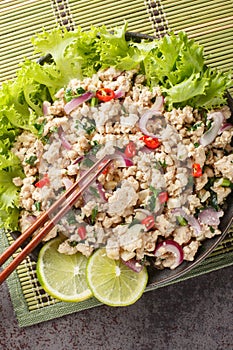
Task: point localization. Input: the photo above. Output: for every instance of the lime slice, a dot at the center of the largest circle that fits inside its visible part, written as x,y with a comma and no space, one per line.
112,282
62,276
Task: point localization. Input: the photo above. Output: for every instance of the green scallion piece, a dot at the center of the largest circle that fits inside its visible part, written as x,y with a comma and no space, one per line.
181,220
226,183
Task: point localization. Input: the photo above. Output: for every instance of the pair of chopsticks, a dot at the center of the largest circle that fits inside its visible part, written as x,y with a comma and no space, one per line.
69,198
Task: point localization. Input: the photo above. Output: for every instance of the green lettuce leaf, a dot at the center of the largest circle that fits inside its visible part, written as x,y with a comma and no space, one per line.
174,62
186,90
178,66
9,198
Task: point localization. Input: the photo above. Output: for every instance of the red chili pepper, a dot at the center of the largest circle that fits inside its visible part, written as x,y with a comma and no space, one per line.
149,222
106,170
197,170
105,94
163,197
43,182
130,150
150,142
82,232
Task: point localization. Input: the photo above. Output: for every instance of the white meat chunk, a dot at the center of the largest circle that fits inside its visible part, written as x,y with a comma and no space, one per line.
123,198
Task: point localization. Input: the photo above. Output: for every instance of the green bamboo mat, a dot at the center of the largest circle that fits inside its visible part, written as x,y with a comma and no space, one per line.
209,22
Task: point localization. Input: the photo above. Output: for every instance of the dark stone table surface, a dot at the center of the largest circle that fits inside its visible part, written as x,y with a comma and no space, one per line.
195,314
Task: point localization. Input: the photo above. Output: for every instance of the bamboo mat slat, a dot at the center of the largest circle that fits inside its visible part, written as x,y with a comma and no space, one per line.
209,22
19,21
111,13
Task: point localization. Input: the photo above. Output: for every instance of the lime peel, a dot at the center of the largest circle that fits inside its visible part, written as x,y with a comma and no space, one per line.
66,281
117,285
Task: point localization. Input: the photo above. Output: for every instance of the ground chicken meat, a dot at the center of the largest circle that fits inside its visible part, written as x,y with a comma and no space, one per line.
131,206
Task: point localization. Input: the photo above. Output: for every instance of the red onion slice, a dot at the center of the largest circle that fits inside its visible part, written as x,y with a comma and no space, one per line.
62,137
225,127
144,120
210,135
133,264
78,160
171,247
122,160
31,218
119,93
192,221
77,101
210,216
101,191
159,104
45,106
67,182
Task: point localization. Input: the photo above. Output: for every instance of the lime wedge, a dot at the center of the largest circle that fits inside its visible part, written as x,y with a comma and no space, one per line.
112,282
62,276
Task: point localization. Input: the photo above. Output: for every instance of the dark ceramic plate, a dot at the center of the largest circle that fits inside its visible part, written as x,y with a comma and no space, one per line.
159,277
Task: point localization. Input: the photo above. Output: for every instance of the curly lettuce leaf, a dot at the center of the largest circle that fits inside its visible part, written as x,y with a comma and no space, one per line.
178,66
9,198
9,219
215,90
175,63
186,89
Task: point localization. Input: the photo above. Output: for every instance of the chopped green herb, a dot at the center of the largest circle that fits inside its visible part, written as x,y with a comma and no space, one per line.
152,199
208,124
209,183
54,129
69,94
80,90
213,200
212,230
40,127
124,109
196,144
181,220
134,222
163,164
94,214
71,218
31,160
87,162
94,101
45,139
72,243
38,206
195,126
89,126
190,181
94,191
204,116
226,183
95,147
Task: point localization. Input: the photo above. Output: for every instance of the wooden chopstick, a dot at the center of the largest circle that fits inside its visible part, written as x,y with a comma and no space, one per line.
71,197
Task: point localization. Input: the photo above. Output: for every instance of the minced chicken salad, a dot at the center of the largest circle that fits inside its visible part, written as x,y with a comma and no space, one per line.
172,161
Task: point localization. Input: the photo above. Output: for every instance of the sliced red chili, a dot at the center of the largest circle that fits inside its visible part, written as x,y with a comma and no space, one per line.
105,94
197,170
106,170
150,142
82,232
43,182
149,222
163,197
130,150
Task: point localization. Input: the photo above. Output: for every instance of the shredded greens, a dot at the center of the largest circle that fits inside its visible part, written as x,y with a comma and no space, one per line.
174,62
